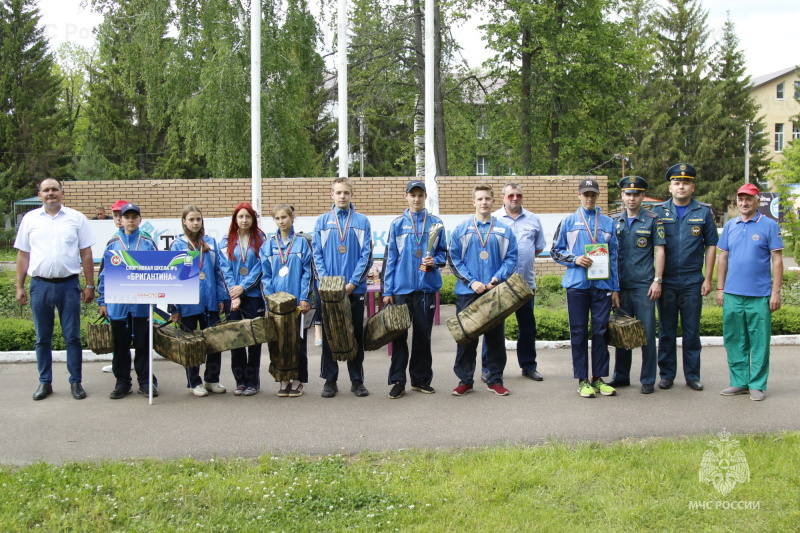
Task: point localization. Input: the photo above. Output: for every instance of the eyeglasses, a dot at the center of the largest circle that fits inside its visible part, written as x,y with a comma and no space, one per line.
514,196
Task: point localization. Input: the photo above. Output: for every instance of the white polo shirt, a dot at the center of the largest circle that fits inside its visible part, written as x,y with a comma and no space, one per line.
54,242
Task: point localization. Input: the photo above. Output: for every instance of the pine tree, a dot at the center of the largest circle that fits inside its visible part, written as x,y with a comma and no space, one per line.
29,115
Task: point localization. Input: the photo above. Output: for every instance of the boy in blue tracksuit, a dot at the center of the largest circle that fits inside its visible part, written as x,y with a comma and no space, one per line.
405,282
586,227
212,298
129,320
286,267
483,252
343,247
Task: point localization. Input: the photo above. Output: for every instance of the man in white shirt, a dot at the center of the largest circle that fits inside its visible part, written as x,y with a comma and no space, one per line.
53,245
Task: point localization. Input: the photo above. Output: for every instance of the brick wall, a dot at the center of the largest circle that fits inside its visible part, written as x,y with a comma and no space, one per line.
310,196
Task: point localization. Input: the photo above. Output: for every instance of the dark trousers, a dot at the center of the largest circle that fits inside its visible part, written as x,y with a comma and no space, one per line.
246,362
329,369
526,339
421,306
467,354
138,328
46,297
213,360
686,302
580,303
636,303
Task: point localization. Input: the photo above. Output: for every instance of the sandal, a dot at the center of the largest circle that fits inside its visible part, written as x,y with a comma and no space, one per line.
239,390
294,393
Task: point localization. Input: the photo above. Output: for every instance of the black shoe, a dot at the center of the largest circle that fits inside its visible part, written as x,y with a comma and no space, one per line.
120,392
424,388
397,391
44,390
694,385
145,391
330,389
665,384
77,391
532,374
359,389
485,376
616,383
646,388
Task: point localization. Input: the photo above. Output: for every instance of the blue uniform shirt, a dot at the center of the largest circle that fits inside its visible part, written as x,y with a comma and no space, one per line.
212,288
569,241
231,268
636,242
137,241
687,239
402,274
356,260
465,249
297,280
749,246
527,229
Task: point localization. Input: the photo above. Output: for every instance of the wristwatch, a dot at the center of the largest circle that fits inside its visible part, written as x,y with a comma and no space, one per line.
89,287
658,280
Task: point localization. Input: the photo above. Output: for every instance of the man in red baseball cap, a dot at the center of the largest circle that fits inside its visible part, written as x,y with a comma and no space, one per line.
749,278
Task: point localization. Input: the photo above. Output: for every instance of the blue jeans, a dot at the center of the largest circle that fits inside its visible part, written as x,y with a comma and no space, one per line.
636,303
688,302
581,302
46,297
466,354
526,339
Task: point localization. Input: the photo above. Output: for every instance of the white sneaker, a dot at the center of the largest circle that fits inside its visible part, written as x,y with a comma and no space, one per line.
216,388
318,342
108,369
200,391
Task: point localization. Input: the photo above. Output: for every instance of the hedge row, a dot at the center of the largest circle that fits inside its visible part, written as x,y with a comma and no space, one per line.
553,325
17,334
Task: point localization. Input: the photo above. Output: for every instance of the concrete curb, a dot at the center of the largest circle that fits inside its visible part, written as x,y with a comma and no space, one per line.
58,356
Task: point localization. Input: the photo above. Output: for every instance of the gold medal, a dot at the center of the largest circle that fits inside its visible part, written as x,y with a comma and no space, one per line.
418,253
342,249
243,271
283,271
202,276
484,255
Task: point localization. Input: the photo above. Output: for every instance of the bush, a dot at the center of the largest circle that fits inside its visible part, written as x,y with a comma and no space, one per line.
551,325
786,321
447,294
16,334
711,322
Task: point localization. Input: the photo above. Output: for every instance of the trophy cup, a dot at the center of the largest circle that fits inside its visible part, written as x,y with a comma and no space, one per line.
433,236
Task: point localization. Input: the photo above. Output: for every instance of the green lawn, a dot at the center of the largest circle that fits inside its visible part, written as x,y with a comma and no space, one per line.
635,485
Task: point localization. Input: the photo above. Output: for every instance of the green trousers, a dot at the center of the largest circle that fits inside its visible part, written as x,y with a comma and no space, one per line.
747,328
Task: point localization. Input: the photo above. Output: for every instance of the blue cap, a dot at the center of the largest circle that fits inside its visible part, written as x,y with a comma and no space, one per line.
130,207
416,184
681,171
633,183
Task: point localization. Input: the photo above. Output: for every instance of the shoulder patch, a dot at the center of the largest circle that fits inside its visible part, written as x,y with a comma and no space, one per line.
704,204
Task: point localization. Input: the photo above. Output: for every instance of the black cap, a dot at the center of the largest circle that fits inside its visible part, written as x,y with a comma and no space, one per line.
681,171
588,184
633,183
416,184
130,207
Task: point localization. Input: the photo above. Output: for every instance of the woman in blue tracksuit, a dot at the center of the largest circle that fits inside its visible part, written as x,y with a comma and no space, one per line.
212,297
241,268
286,267
128,320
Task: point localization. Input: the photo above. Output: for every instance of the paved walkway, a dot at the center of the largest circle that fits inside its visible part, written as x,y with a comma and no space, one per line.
179,424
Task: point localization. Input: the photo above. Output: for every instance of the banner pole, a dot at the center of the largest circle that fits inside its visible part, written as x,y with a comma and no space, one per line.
150,351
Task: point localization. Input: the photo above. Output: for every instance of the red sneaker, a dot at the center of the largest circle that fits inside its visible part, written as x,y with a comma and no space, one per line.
498,389
462,389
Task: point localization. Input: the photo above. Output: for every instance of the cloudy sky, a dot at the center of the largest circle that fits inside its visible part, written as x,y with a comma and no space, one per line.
766,29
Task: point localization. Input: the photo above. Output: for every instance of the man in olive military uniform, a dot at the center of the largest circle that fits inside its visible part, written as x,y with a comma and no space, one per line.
640,234
691,243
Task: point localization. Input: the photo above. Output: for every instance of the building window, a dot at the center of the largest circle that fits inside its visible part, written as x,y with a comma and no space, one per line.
795,132
779,90
797,90
779,137
482,167
481,130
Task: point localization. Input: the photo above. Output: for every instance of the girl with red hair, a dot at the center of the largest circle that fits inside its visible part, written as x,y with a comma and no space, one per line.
241,268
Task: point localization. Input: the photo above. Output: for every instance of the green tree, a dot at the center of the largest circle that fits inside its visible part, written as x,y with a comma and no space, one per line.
29,112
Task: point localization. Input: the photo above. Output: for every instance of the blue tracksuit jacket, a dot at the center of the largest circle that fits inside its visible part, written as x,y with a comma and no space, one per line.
354,264
212,289
250,282
569,241
298,281
464,254
137,241
402,274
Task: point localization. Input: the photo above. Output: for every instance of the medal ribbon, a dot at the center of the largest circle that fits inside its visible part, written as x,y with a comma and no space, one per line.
288,248
585,223
197,248
243,250
418,236
138,242
480,237
343,234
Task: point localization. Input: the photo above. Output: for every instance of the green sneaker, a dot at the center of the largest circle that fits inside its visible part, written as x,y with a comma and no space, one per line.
585,390
600,386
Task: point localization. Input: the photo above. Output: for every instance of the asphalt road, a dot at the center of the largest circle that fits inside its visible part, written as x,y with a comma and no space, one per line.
178,424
